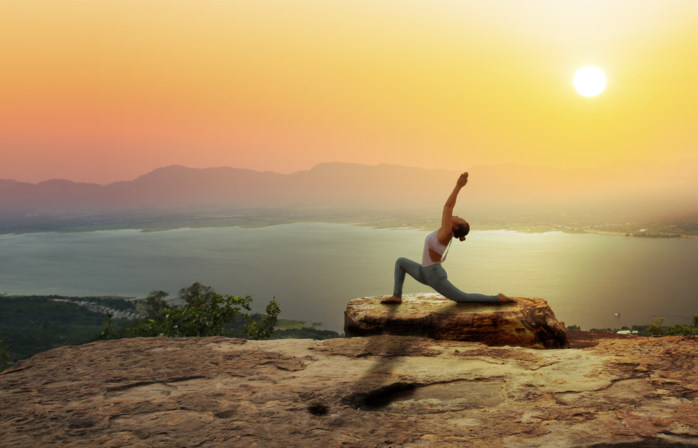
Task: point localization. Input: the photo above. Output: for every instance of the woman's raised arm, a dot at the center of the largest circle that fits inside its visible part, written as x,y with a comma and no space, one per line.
446,230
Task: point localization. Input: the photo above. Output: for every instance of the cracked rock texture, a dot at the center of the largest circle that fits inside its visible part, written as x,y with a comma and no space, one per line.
526,323
360,392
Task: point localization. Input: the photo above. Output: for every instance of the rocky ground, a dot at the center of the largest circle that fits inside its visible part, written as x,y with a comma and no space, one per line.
374,391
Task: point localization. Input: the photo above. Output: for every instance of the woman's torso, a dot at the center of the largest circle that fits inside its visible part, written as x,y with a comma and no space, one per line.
433,249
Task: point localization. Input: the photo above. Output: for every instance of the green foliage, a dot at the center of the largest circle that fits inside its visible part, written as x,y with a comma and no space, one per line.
574,328
681,330
156,304
26,341
34,325
196,292
108,333
263,330
22,312
655,327
198,318
203,313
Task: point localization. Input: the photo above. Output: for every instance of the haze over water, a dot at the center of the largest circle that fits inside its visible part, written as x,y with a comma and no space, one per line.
314,269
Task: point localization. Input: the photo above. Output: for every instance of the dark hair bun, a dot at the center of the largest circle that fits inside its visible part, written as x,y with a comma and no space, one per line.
460,231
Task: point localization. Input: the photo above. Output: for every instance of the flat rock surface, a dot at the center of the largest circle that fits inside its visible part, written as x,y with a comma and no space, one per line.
360,392
526,323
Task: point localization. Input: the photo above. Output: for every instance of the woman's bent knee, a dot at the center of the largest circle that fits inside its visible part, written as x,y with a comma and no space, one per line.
402,261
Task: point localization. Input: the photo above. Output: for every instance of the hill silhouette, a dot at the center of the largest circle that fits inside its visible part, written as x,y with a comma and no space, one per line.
333,184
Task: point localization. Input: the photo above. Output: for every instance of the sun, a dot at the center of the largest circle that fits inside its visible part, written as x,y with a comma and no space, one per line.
589,81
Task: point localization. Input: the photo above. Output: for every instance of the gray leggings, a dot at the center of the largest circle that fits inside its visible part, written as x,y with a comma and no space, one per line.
436,277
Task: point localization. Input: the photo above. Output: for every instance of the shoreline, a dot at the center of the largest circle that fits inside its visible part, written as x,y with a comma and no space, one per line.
662,235
539,228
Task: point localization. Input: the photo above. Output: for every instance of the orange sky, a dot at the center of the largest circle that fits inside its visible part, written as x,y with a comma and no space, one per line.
109,90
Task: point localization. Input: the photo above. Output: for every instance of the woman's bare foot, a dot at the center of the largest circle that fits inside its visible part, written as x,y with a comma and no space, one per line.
505,299
392,300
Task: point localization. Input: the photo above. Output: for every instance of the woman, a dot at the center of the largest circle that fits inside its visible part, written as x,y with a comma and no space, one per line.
431,273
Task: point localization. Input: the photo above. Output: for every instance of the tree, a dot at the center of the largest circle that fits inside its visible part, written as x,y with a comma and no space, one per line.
655,328
156,304
204,313
195,292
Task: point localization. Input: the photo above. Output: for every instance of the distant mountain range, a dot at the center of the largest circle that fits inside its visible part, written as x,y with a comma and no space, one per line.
338,184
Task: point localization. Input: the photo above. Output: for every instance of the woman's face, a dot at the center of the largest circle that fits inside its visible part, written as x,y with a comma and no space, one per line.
458,221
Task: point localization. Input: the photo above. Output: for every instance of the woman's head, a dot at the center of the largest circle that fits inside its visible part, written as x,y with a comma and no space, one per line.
460,228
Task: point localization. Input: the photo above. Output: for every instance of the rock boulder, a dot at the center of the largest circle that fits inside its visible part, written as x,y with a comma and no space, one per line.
526,323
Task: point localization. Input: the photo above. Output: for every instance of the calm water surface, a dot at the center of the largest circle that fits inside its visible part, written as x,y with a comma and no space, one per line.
313,270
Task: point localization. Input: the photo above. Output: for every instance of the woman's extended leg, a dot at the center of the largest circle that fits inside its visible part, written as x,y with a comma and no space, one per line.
446,289
438,280
402,266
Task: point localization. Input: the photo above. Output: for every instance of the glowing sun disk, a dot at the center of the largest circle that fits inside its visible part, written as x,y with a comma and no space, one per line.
589,81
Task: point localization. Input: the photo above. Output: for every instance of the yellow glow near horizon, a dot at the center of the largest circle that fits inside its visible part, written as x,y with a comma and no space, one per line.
589,81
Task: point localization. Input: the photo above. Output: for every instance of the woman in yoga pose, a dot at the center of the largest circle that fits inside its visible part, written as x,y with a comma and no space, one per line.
436,246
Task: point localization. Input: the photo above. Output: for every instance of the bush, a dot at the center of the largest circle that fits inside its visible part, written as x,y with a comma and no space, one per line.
574,328
678,330
655,328
203,312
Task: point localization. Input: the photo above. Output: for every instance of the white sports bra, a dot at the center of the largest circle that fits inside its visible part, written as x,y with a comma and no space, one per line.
433,243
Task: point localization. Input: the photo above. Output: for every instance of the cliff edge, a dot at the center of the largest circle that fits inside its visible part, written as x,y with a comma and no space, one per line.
358,392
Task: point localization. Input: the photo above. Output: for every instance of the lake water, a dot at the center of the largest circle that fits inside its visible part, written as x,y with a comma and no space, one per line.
314,269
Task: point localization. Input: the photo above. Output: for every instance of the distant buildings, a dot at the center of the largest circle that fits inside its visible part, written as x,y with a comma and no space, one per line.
97,308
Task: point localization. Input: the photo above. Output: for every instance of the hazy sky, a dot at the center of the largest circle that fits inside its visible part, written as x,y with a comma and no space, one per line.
101,91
